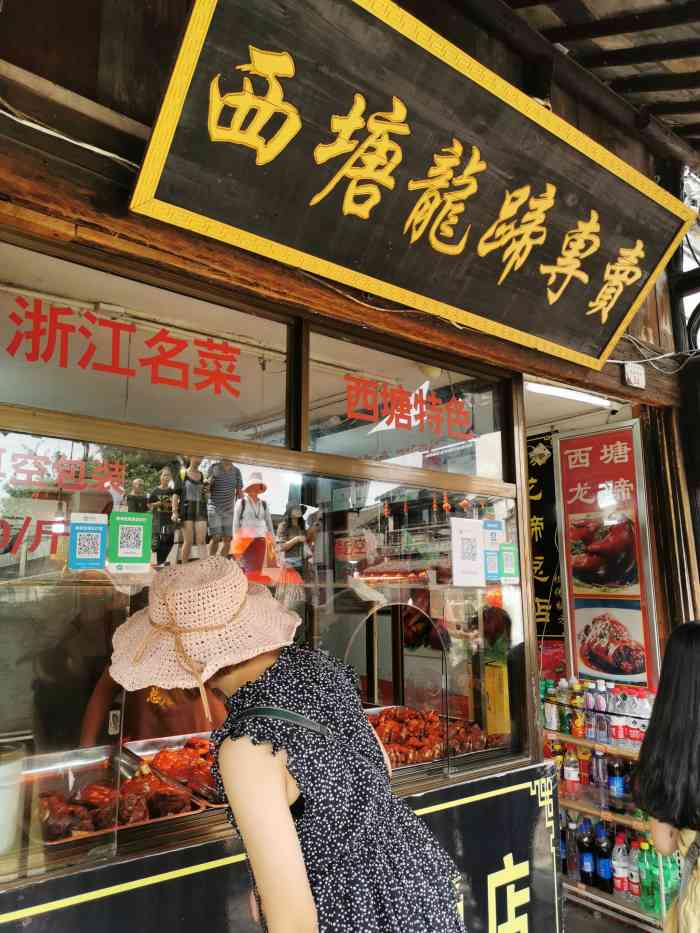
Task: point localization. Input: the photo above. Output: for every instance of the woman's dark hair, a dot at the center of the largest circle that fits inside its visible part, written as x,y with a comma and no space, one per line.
667,778
288,519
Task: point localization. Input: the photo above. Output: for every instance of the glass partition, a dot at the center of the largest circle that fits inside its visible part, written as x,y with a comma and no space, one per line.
416,588
373,405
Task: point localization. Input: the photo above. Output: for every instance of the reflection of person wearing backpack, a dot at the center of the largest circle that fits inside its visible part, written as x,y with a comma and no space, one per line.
253,532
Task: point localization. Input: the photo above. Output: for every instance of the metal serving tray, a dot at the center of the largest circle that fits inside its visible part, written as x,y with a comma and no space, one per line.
67,773
147,749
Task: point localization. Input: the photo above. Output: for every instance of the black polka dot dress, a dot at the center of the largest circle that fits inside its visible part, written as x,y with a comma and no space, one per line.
373,866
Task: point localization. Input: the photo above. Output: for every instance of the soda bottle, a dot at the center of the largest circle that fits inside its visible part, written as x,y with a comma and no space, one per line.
649,879
669,865
572,853
586,849
572,777
584,766
602,730
551,711
633,877
603,859
578,712
563,699
616,785
589,711
618,704
620,865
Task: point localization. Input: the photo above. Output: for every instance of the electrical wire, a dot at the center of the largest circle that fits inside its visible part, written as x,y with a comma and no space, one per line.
11,113
692,250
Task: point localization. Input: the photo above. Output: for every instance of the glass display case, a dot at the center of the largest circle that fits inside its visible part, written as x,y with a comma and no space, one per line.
416,588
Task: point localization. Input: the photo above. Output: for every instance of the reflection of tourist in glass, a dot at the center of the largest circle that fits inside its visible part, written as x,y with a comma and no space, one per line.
291,537
190,507
160,503
136,500
225,483
253,532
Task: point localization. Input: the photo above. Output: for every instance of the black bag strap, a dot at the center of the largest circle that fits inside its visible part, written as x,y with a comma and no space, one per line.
284,715
296,719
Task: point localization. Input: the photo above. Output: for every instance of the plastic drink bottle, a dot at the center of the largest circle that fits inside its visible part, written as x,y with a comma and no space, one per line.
578,713
602,730
572,853
603,859
551,711
616,785
572,777
584,766
620,863
633,880
649,879
672,879
589,714
563,699
584,840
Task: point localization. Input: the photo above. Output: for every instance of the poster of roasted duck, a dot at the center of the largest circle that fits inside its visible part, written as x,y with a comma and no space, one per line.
604,553
610,640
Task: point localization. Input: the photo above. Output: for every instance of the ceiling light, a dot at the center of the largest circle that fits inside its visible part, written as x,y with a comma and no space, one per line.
541,388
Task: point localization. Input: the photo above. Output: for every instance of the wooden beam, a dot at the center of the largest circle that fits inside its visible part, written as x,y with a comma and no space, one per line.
661,107
671,81
660,18
689,130
641,54
512,29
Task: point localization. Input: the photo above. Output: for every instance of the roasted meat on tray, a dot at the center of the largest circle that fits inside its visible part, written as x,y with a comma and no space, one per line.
412,736
60,818
190,765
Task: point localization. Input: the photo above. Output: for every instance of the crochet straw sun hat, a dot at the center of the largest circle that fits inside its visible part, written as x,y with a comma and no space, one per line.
201,617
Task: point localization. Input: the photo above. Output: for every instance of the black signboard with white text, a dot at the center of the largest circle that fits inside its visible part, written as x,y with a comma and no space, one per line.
546,577
348,139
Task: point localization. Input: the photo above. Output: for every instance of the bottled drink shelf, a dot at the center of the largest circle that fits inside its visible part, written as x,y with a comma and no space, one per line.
591,804
613,750
612,904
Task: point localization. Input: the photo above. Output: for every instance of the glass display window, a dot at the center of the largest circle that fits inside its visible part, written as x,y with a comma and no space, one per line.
374,405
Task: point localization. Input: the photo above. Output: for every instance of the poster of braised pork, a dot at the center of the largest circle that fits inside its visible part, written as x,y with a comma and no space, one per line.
604,554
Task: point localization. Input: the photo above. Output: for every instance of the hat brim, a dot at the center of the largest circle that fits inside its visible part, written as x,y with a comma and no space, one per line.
143,656
261,486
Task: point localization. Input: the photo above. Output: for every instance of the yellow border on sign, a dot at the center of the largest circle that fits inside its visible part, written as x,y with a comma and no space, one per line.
145,202
138,883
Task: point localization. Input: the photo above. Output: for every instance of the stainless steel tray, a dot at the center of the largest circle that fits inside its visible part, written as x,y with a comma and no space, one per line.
66,773
147,749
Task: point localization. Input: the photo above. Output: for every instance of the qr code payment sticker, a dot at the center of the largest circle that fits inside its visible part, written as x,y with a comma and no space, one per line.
130,540
470,550
87,545
509,564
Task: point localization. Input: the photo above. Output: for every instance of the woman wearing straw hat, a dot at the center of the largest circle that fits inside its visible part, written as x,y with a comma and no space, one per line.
253,532
329,847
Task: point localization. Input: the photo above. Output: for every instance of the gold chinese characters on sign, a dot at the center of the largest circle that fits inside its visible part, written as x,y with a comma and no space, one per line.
259,117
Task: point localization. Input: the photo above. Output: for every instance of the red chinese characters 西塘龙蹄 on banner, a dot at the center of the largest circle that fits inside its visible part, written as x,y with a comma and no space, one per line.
603,558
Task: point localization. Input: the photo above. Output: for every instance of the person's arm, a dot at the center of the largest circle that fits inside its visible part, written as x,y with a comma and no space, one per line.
237,511
256,786
96,710
268,520
383,751
665,837
177,493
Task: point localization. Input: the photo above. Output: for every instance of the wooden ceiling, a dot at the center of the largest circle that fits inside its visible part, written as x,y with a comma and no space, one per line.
646,50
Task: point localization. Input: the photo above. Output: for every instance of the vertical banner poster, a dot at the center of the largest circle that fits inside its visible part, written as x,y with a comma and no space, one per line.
129,546
546,578
87,542
605,557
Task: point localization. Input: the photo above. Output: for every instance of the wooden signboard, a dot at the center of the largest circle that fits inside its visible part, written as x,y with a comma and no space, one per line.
346,138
